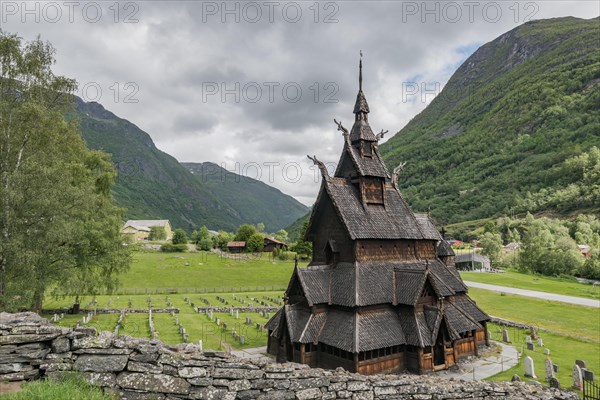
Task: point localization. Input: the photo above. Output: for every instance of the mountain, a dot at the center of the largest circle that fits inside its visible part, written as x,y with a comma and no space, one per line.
296,228
153,185
249,199
513,130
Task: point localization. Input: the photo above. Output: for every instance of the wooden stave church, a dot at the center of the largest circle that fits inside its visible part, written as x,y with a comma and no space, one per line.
382,294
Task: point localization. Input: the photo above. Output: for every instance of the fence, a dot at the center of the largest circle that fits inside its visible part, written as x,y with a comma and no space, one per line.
591,390
181,290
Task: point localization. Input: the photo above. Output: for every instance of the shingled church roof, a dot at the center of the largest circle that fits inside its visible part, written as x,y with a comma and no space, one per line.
374,282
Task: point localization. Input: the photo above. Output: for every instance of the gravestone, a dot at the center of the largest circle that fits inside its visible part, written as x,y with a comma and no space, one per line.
218,321
549,369
547,351
540,342
515,378
237,314
242,339
200,345
554,383
532,332
176,320
528,339
231,312
588,375
529,368
555,368
581,363
530,346
577,377
505,337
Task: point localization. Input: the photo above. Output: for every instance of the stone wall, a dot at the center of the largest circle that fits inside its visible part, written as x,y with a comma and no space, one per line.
137,369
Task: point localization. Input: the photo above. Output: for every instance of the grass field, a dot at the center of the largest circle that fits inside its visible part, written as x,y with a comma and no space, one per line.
70,387
197,325
563,352
531,282
202,270
565,318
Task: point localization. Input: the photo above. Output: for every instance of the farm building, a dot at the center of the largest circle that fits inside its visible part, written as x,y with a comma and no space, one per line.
272,244
381,294
236,247
139,229
472,262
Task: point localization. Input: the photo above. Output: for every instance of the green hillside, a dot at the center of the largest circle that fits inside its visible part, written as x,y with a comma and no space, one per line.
512,131
252,201
153,185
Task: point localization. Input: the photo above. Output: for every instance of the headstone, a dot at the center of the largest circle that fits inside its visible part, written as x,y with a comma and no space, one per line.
577,377
200,345
547,351
540,342
529,368
549,369
554,383
231,312
581,363
505,337
218,321
555,368
242,339
528,339
237,316
515,378
588,375
530,346
532,332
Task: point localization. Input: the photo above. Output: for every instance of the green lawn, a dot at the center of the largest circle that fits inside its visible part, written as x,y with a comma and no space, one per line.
560,317
70,387
563,352
531,282
201,270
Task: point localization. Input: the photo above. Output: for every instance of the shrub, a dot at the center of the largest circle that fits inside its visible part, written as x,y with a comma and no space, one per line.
179,236
173,248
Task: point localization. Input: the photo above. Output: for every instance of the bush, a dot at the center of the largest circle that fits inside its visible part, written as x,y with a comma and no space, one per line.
173,248
255,243
205,244
179,236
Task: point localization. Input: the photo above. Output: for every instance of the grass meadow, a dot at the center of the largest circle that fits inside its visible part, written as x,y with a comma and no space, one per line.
568,287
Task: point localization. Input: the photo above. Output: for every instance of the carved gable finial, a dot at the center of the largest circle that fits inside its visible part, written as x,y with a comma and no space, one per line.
321,166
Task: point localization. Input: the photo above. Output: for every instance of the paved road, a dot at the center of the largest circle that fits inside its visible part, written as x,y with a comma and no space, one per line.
538,295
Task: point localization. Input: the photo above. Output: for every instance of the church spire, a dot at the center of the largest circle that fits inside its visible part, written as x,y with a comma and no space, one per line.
360,73
361,129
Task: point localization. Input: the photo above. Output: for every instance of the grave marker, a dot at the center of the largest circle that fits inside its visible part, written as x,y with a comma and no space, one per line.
529,368
549,369
505,337
577,377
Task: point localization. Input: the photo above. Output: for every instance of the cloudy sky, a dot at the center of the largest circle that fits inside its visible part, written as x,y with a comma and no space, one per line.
254,86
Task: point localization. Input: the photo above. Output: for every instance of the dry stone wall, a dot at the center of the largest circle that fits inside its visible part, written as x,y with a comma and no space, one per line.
139,369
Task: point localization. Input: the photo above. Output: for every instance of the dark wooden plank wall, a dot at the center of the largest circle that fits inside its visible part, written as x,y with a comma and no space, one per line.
397,250
330,227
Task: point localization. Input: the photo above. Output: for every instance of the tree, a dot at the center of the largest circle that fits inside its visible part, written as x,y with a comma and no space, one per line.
179,236
491,245
302,247
244,232
220,239
199,235
255,243
282,236
157,233
59,226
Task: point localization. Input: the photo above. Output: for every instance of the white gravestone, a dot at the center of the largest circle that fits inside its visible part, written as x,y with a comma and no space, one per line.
529,368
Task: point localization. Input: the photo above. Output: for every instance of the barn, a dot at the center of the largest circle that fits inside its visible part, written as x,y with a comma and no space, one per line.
381,294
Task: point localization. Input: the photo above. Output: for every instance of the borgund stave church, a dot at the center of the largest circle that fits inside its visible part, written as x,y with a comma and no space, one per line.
381,293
